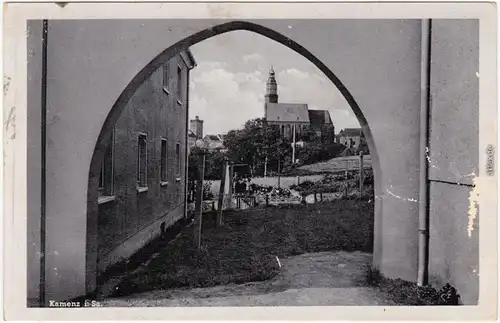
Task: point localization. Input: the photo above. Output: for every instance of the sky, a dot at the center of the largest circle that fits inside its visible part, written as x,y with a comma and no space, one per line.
227,86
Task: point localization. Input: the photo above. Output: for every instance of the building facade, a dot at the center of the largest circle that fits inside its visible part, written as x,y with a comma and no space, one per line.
309,125
350,137
214,142
142,180
211,142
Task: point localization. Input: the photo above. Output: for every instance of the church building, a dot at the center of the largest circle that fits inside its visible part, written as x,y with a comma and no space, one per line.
309,125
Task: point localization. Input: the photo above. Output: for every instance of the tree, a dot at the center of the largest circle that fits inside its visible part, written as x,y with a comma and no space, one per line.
214,162
256,141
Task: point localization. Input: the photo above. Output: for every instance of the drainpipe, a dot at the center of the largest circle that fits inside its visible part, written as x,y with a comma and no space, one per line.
186,157
423,204
186,138
43,163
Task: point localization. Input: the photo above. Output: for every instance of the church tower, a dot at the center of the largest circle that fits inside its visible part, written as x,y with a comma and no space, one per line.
271,88
196,126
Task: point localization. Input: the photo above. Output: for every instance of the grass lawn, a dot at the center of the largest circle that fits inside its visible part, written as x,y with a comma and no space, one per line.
335,164
245,249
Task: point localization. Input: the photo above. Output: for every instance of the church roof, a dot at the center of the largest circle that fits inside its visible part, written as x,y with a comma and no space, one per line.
287,112
319,117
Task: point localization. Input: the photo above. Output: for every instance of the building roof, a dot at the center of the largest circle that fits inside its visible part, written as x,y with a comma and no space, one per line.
191,134
319,117
213,137
287,112
350,132
213,142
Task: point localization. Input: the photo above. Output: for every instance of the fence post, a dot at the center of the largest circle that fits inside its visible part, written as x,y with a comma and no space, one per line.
346,179
315,198
265,167
361,174
199,199
279,173
321,196
221,194
267,199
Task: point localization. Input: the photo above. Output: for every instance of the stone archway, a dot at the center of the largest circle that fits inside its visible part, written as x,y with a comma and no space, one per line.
146,71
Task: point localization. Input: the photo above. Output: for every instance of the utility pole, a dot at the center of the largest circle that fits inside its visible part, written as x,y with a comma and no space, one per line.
279,171
346,174
220,205
361,174
265,167
199,200
293,147
231,187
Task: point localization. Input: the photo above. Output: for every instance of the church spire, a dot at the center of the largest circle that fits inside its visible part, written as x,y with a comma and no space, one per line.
271,88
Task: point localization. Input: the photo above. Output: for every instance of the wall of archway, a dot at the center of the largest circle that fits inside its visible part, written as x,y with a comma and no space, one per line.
89,72
159,60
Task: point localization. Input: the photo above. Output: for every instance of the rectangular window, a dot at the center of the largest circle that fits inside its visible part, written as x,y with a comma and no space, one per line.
142,160
178,157
179,84
106,175
165,78
102,176
163,162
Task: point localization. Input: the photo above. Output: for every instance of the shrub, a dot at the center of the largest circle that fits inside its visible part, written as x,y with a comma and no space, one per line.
367,177
404,292
315,152
306,184
207,190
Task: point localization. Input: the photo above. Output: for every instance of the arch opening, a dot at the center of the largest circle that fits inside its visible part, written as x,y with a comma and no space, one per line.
106,132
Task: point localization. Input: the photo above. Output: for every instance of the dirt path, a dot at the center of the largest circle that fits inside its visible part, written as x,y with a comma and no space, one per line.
324,278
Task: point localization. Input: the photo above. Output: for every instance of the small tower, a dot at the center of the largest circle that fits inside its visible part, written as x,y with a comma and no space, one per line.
271,88
196,126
